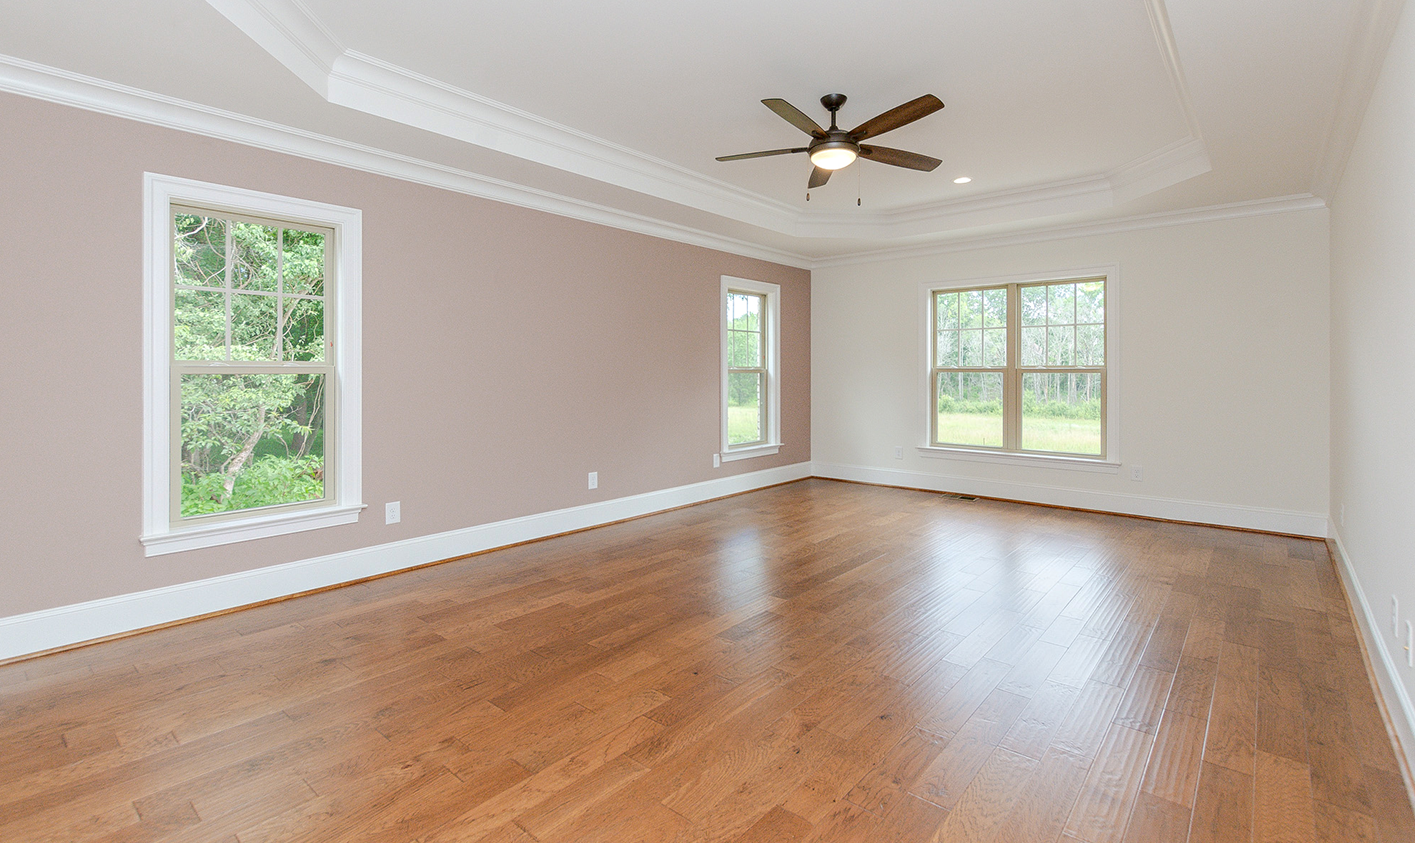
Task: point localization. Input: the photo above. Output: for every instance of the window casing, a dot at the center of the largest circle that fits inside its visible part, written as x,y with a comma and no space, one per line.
751,393
252,371
1023,370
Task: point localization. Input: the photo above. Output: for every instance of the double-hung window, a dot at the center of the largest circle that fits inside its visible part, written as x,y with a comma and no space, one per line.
1020,367
751,404
252,344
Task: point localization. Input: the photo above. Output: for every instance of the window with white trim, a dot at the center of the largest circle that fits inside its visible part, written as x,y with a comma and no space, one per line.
1021,367
252,365
751,404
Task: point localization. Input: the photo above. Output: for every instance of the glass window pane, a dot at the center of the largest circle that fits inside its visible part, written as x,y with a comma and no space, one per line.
1061,412
199,250
1034,346
1090,345
995,347
254,257
304,330
253,320
947,348
744,349
745,423
1034,305
946,310
304,262
995,307
199,325
754,313
971,353
970,309
1061,346
250,441
1061,304
969,409
1090,302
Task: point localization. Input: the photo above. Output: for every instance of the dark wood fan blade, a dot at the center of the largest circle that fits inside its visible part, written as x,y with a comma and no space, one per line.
793,115
744,156
897,116
818,177
899,158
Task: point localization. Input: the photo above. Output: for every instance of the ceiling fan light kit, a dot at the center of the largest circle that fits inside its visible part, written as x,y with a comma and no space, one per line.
834,155
834,148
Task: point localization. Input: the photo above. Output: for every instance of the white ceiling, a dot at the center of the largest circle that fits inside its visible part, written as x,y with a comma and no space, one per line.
1063,112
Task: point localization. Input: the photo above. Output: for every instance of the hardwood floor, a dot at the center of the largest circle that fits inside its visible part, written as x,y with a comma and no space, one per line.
813,662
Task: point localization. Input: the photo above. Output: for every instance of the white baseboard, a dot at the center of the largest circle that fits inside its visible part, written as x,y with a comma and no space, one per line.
1224,515
65,626
1392,690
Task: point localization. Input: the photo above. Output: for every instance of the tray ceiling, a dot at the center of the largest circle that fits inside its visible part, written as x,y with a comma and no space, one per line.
1060,113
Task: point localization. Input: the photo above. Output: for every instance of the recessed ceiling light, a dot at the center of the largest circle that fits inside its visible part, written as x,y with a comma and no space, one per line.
962,180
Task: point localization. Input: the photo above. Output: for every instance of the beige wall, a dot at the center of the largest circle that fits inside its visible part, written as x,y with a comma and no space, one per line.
1373,355
507,352
1223,367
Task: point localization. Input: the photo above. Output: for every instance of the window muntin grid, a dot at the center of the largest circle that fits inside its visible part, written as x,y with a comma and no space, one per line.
1046,392
250,296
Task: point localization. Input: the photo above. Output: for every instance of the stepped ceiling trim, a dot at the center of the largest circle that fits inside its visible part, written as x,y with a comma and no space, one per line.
293,36
63,87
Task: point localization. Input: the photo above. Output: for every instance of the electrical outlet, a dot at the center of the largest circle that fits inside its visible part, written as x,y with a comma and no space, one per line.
1395,616
1137,473
393,512
899,452
717,460
594,479
1409,645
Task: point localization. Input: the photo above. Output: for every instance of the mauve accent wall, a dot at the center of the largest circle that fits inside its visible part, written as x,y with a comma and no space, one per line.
507,352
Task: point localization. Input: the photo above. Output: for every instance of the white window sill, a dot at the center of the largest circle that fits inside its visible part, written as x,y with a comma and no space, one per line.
748,453
1097,466
257,527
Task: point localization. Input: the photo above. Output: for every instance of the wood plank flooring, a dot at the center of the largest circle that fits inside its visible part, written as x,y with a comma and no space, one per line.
813,662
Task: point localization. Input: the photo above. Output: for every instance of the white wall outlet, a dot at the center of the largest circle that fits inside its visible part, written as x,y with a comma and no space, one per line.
1395,616
594,479
393,512
899,452
717,460
1137,473
1409,645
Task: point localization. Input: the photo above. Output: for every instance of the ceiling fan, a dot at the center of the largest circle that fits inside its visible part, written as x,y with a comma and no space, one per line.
834,148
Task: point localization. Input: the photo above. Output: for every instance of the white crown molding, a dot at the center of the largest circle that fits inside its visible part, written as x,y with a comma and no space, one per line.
1181,160
1164,219
293,36
25,78
368,84
1373,26
50,84
290,33
1169,52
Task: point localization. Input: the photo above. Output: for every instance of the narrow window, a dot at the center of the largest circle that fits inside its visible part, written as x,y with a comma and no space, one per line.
750,350
746,369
